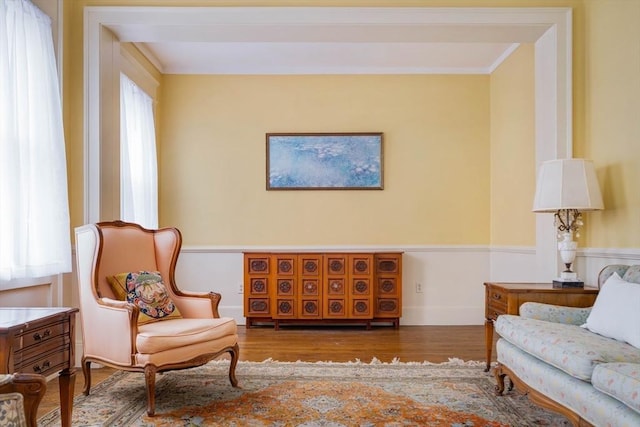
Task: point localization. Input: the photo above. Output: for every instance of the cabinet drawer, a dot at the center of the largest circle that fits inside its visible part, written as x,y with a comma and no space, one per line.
285,308
360,264
388,286
257,306
257,264
388,263
258,286
361,308
388,307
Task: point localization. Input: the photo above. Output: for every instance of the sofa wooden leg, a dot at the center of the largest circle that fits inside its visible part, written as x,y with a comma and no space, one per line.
497,372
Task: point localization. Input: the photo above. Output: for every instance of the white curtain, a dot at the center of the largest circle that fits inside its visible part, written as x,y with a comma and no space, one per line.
34,212
138,161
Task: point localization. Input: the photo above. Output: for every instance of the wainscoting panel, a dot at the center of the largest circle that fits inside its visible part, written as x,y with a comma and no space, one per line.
441,285
590,261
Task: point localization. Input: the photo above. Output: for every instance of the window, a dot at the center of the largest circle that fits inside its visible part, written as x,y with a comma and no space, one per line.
34,219
138,161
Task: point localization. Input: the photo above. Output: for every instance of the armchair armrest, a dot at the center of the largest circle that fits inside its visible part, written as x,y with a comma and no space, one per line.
555,313
32,388
106,319
198,304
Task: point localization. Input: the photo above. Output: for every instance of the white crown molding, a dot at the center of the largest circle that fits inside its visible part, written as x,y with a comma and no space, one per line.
502,57
150,56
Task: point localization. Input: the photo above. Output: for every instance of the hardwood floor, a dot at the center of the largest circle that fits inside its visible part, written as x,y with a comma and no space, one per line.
335,343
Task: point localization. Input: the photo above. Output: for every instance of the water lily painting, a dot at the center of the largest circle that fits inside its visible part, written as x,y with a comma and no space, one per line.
324,161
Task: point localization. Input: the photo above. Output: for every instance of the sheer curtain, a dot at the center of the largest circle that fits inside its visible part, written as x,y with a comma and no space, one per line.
138,161
34,212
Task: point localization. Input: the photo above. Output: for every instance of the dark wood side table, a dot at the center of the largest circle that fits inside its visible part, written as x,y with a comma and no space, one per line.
41,340
506,298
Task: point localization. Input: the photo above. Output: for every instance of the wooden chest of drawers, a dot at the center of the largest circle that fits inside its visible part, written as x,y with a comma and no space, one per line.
323,287
41,341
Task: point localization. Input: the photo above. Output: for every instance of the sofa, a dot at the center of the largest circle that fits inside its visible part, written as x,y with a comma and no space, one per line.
581,362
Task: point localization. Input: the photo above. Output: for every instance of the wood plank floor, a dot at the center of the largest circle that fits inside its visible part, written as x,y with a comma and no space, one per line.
333,343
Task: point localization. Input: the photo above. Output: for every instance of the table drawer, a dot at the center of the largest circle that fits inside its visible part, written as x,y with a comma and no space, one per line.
496,303
47,364
35,351
40,334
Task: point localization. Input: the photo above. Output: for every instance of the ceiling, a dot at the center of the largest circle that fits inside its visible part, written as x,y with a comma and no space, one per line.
191,44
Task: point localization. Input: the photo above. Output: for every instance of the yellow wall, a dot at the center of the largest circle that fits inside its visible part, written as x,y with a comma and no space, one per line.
513,150
612,131
436,159
606,101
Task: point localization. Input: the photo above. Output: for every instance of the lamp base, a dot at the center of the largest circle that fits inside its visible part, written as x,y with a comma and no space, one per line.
568,283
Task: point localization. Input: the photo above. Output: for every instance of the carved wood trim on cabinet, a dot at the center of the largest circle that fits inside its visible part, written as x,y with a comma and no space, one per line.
300,287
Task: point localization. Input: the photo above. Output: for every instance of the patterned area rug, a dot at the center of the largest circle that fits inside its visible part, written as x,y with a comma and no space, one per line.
310,394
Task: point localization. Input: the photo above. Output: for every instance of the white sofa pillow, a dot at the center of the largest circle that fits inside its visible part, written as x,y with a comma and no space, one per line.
616,312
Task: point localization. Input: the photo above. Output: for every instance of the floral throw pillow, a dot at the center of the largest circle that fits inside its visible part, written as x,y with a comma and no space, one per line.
146,290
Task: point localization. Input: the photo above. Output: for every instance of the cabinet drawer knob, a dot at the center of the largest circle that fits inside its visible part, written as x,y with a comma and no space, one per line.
45,365
44,335
497,296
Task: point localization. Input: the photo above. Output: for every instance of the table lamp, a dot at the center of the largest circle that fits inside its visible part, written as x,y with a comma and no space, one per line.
566,188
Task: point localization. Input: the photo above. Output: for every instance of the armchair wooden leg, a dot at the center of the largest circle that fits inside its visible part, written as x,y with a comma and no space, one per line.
150,380
86,372
235,354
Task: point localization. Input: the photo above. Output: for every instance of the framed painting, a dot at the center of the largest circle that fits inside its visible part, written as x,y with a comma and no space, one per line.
324,161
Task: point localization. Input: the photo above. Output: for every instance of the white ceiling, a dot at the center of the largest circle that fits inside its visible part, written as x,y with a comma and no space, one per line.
193,44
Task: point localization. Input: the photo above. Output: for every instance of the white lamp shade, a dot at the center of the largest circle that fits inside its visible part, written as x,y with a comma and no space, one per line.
567,184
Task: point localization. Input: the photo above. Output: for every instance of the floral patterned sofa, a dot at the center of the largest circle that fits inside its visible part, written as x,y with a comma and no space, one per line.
552,353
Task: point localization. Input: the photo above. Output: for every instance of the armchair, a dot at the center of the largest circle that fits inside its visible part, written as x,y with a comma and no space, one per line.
20,395
123,334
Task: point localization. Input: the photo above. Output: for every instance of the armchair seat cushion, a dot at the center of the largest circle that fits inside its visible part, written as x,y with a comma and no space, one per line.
570,348
169,334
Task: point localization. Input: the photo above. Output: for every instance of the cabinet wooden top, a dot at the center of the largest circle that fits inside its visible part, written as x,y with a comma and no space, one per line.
12,317
286,251
522,287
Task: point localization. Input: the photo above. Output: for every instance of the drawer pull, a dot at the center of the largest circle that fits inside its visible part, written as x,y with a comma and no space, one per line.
497,296
45,334
45,365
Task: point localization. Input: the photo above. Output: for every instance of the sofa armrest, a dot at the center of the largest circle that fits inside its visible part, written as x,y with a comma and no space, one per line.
555,313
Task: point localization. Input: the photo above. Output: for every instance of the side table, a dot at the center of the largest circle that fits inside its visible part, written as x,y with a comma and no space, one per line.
506,298
41,340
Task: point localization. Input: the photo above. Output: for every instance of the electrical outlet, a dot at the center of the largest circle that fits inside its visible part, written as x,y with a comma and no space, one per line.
418,287
241,288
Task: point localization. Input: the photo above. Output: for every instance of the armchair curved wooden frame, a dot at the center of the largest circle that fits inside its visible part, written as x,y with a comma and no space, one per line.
112,335
32,388
500,371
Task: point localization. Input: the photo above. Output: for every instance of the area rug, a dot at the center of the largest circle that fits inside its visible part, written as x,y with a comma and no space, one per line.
306,394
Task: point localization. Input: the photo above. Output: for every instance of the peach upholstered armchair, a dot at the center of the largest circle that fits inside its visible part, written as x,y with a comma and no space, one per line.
133,315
